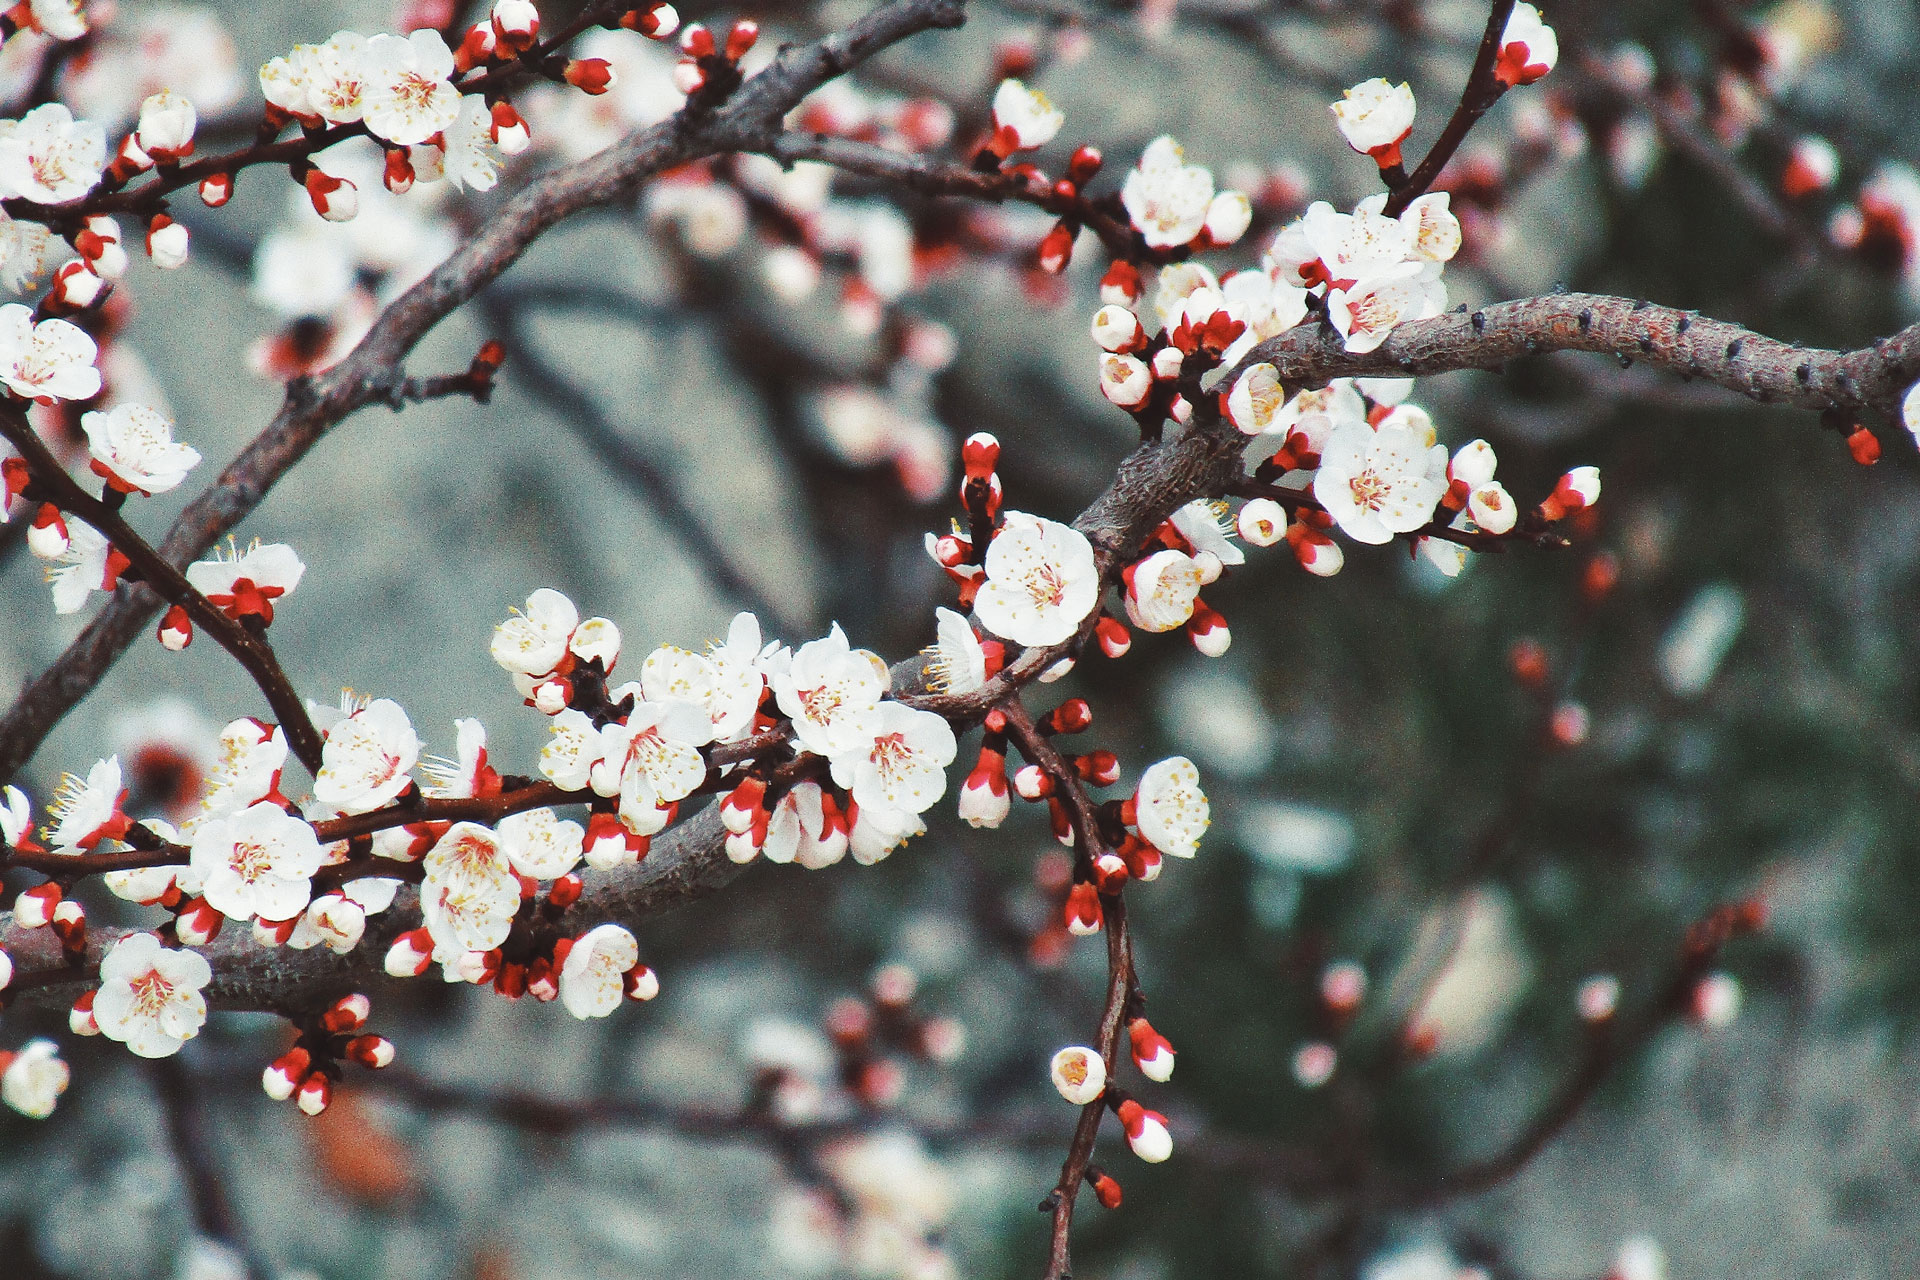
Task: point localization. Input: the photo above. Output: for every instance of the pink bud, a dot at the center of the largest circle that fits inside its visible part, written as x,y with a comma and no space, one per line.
198,923
176,629
315,1095
216,189
1146,1132
80,1018
285,1074
371,1051
410,954
348,1013
642,983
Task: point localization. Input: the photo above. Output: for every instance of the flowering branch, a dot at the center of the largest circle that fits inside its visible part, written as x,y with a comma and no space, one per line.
1483,89
314,405
249,647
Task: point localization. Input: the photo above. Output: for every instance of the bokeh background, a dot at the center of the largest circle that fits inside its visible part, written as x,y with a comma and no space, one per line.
677,435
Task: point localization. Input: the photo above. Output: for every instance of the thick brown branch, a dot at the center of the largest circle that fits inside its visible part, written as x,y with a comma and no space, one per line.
1760,368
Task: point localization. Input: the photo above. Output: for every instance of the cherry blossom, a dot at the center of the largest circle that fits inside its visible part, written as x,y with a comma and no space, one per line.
593,979
903,764
150,996
49,361
407,97
258,862
470,893
134,450
657,747
167,123
87,811
956,661
571,752
252,754
1199,522
1080,1074
1379,483
49,157
540,844
1023,119
469,157
1167,198
86,563
1528,48
832,693
1170,808
33,1078
725,683
365,761
1367,314
154,885
877,831
533,642
245,584
1375,117
1041,581
1162,589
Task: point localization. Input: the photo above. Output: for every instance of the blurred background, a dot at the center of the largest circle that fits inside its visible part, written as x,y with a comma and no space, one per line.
748,391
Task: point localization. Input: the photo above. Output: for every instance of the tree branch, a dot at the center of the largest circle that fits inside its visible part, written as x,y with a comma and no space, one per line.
314,405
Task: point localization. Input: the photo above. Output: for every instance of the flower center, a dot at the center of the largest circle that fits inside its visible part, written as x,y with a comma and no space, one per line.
1369,489
151,994
1045,585
251,860
891,754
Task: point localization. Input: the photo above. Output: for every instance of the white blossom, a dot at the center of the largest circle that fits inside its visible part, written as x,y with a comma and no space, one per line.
593,979
33,1078
48,361
134,446
540,844
150,996
1170,809
1379,483
408,97
365,761
831,691
258,862
903,764
1165,197
1041,581
49,157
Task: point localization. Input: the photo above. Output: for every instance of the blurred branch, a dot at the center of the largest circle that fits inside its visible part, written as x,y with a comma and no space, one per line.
190,1133
582,415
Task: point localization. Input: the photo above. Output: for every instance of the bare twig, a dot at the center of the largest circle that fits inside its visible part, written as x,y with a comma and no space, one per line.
1483,89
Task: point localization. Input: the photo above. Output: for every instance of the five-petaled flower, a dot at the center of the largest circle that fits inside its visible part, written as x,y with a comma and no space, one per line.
257,862
1379,483
1041,581
49,361
366,759
831,691
408,96
49,157
1166,198
134,450
903,764
1170,809
150,996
